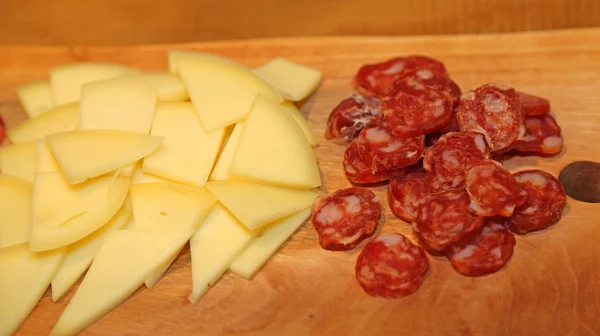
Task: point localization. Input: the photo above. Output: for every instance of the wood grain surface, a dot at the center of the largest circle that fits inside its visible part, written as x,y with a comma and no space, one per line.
102,22
550,287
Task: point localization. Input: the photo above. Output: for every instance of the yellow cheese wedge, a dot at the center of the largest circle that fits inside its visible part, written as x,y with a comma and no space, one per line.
25,278
18,160
89,153
175,55
80,255
15,211
168,85
219,173
222,92
188,152
273,149
35,97
139,177
64,213
66,80
45,161
216,243
58,119
124,261
256,205
293,81
302,122
115,105
264,246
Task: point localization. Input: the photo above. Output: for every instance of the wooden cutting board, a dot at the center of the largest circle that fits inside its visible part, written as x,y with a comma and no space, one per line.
550,287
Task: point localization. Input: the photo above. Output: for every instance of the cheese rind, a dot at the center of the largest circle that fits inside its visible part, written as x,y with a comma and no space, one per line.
294,81
168,85
35,97
58,119
256,205
288,106
18,160
219,173
15,210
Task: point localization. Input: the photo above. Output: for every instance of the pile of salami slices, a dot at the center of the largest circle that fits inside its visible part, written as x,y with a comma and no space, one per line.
409,124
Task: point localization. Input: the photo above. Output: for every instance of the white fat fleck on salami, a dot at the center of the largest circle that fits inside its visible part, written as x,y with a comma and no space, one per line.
425,74
538,180
350,239
329,214
469,95
389,239
367,273
553,141
409,154
494,104
530,210
377,134
450,158
439,110
480,144
466,252
392,147
496,252
394,69
353,204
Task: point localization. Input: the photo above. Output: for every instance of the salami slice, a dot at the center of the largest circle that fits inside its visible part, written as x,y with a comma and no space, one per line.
346,217
2,130
406,191
386,151
412,108
533,105
358,171
545,202
444,218
435,80
450,156
485,253
493,190
350,116
493,111
542,135
391,266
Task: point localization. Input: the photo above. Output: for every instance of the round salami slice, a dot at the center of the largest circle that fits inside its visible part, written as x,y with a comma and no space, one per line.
435,80
359,172
545,202
391,266
450,156
493,190
493,111
346,217
542,135
533,105
444,218
386,151
406,191
350,116
412,108
485,253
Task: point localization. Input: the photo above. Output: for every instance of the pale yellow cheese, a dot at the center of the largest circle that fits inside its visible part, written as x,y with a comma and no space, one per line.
115,105
58,119
66,80
273,149
256,205
216,243
161,270
18,160
219,173
139,177
25,278
80,255
168,85
222,92
64,213
265,245
45,161
35,97
302,122
293,81
15,210
175,55
188,152
124,261
85,154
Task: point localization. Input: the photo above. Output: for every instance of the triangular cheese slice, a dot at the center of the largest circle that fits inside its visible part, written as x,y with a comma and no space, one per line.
219,173
302,122
256,205
222,92
18,160
86,154
294,81
168,85
15,207
122,264
273,149
59,119
35,97
45,161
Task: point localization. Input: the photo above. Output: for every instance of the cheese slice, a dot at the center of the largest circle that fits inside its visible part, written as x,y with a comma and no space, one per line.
64,213
124,261
178,124
116,105
273,149
293,81
45,161
216,243
222,92
168,85
58,119
35,97
139,177
18,160
175,55
219,173
289,107
265,245
25,278
66,80
15,210
80,255
256,205
89,153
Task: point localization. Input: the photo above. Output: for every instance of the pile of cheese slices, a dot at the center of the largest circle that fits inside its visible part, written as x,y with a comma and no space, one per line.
117,169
